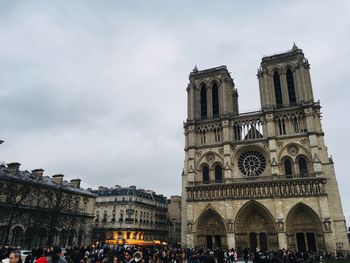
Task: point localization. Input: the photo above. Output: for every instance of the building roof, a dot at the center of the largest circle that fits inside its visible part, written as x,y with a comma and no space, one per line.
26,177
130,191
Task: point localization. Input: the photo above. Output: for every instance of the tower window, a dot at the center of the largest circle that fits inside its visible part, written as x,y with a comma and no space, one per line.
204,113
217,136
218,173
281,126
291,89
288,168
205,174
215,100
303,167
278,91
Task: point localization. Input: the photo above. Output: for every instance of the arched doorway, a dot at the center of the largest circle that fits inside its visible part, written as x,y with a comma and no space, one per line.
304,229
211,231
255,228
17,236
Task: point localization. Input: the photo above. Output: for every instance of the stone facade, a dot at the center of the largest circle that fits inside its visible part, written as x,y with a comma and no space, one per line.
259,179
174,217
127,214
38,210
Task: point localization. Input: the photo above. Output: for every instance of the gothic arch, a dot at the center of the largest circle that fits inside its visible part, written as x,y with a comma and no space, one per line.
303,164
216,81
210,230
218,170
251,221
209,158
277,85
287,66
272,71
304,228
17,235
300,150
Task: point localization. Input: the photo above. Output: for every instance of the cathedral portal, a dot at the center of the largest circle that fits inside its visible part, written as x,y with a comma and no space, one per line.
255,228
304,229
211,231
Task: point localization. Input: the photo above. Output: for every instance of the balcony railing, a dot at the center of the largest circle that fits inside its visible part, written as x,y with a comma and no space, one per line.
251,179
259,187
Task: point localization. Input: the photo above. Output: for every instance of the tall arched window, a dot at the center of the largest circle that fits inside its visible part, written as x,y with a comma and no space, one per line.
204,114
288,171
278,91
302,167
205,174
291,89
215,100
218,173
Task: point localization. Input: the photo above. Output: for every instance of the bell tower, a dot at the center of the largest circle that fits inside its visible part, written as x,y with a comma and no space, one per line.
284,80
211,94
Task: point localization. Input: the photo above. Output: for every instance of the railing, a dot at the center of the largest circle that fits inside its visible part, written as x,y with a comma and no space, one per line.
259,187
252,179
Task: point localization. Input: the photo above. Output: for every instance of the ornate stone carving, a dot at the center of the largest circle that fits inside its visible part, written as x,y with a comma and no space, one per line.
274,162
280,225
280,144
227,166
303,141
198,153
229,223
293,150
189,226
233,148
327,224
210,157
316,159
221,150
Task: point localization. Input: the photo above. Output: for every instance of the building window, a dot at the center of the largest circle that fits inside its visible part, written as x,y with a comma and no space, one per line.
203,138
215,100
203,95
278,91
291,89
251,163
217,135
281,126
288,171
302,167
218,173
205,174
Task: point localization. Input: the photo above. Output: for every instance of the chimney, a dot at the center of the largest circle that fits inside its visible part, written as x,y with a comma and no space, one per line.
58,178
13,167
38,173
75,183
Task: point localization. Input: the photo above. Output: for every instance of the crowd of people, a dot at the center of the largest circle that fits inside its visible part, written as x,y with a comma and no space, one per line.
157,254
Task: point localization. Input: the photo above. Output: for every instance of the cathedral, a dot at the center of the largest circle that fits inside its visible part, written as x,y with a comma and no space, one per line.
260,179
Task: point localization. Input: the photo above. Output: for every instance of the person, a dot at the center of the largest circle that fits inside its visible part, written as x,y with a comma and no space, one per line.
40,256
128,257
15,257
245,255
56,256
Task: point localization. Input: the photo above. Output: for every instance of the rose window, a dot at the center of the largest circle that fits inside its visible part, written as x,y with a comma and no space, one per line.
251,163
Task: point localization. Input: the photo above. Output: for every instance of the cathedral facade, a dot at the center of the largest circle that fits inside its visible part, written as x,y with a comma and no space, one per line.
259,179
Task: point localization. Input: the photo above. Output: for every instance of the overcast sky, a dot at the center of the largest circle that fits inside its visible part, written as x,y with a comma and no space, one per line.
97,89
